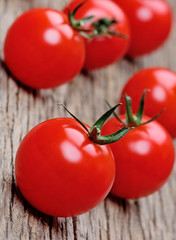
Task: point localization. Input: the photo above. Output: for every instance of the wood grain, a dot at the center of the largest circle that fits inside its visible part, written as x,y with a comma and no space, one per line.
151,218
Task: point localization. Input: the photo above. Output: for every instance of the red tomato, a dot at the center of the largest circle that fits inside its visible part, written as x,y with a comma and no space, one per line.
103,50
150,22
144,158
60,171
42,50
162,83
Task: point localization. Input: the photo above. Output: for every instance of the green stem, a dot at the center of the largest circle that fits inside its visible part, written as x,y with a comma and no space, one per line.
131,119
98,28
94,134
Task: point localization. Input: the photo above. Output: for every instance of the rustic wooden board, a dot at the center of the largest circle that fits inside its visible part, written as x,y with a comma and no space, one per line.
151,218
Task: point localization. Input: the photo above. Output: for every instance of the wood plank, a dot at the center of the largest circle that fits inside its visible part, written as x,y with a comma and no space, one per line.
150,218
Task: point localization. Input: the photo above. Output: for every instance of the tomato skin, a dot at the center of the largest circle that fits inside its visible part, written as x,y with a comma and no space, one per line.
42,50
144,158
150,23
162,85
60,171
102,50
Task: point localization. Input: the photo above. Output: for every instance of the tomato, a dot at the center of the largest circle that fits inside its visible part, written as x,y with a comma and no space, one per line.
60,171
162,94
150,23
144,158
104,49
42,50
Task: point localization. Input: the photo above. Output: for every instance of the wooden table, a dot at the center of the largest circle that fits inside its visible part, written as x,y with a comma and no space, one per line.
151,218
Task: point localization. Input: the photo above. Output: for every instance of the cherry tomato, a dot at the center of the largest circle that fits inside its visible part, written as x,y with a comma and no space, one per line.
60,171
42,50
105,49
150,23
162,85
144,158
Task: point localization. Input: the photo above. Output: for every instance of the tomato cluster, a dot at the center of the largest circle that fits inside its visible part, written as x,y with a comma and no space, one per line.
45,48
74,170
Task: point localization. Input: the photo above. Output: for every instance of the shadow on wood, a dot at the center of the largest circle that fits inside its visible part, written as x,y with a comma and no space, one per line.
34,92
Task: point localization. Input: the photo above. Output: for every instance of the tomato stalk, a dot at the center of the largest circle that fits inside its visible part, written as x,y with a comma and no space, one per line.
77,24
131,119
98,28
94,134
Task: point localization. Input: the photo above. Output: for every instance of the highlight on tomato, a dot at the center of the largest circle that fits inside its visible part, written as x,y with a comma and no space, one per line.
42,50
162,85
150,24
106,31
144,157
64,168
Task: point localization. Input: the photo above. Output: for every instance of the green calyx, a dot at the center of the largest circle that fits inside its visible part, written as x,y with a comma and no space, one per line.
77,24
98,28
135,120
94,134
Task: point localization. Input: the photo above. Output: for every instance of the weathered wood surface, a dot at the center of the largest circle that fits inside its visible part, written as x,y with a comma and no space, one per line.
151,218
